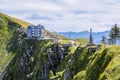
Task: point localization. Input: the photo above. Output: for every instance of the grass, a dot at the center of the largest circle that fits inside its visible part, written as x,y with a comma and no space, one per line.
113,68
8,36
101,61
25,24
80,75
56,35
103,64
39,56
20,22
82,41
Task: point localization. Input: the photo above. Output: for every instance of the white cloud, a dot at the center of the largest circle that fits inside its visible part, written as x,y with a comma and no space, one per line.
65,15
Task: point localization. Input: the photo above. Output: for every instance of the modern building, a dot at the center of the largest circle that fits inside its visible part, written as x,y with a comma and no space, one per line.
35,32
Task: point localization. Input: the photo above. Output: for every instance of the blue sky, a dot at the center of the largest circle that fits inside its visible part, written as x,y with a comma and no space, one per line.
65,15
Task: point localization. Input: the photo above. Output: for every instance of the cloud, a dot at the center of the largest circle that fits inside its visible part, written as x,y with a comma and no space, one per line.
39,17
65,15
108,3
88,12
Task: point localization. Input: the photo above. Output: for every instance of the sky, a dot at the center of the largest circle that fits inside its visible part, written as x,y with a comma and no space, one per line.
65,15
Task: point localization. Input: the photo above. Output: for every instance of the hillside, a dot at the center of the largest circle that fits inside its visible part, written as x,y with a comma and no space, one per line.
34,61
9,37
30,59
99,65
20,22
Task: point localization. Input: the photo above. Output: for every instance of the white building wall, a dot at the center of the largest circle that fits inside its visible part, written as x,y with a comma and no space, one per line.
42,32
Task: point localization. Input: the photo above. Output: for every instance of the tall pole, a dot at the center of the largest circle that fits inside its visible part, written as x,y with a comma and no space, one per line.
90,38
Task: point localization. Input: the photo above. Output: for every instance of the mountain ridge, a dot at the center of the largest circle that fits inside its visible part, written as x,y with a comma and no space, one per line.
97,36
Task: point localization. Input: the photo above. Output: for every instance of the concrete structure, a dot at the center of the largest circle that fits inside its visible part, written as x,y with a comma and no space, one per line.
91,39
35,32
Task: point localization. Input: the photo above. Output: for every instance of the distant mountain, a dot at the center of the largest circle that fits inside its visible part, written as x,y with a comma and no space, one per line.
97,36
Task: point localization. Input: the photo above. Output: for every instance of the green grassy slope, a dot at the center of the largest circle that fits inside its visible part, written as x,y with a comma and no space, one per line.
112,67
29,57
56,35
82,65
20,22
101,65
25,24
82,41
8,39
33,61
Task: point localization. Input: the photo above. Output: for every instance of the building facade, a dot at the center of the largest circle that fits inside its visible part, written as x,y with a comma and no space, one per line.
35,32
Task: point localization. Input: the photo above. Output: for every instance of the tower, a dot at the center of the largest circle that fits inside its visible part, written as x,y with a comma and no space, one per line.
90,38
